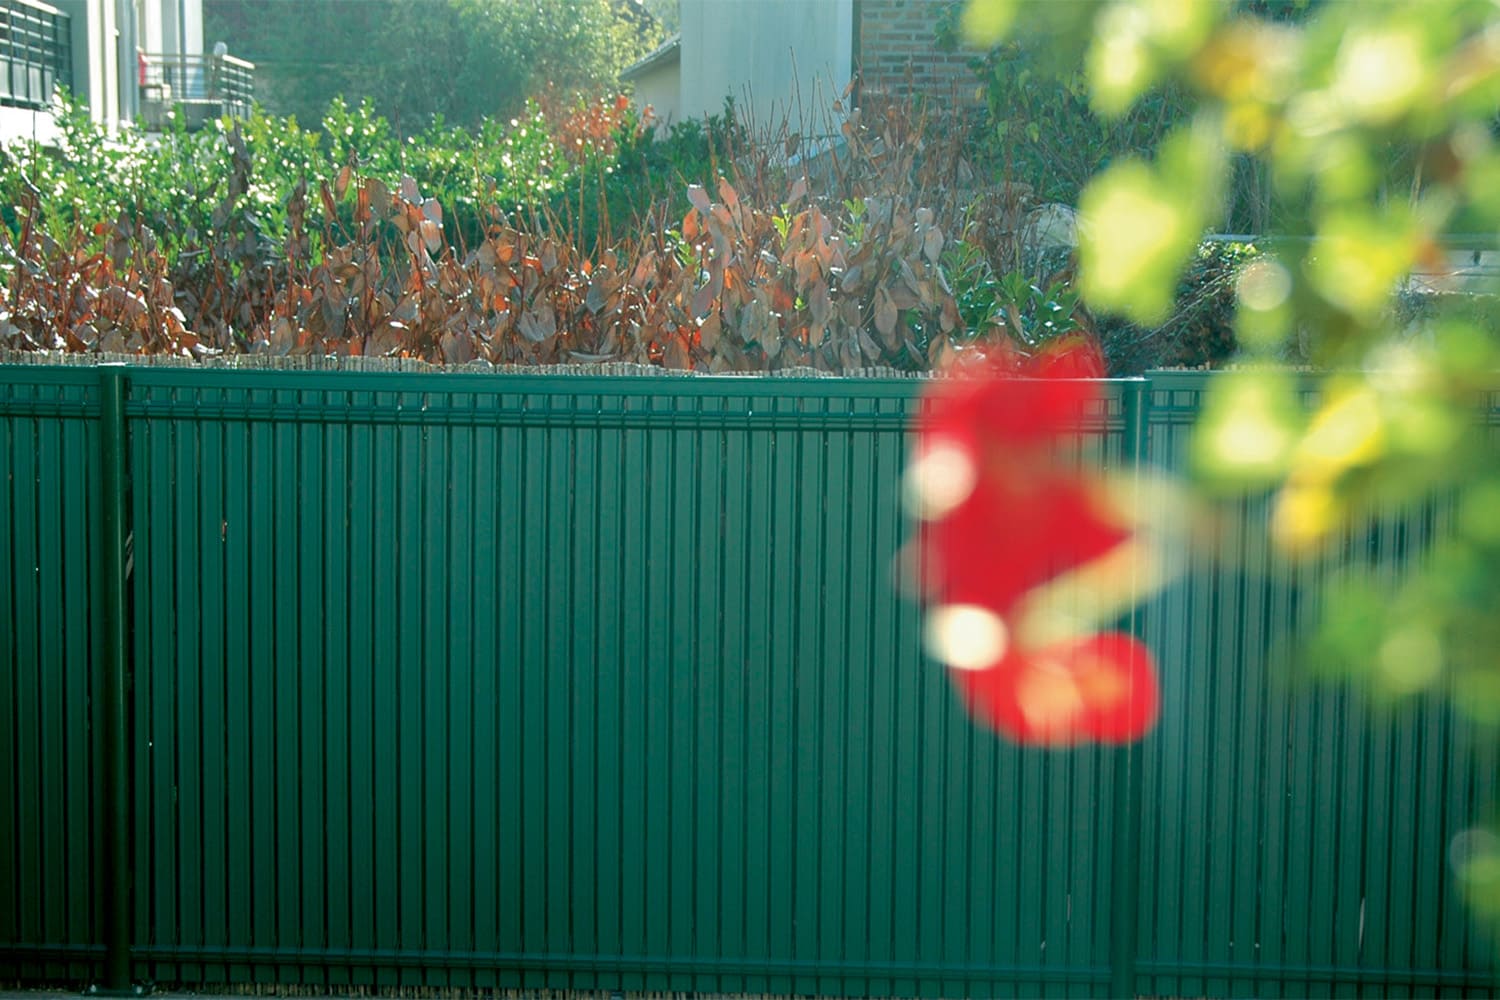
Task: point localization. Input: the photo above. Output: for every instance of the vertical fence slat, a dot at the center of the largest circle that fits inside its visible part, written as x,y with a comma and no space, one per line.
613,813
738,868
706,715
52,802
429,564
241,604
26,538
411,761
115,824
12,904
753,552
488,859
185,746
458,614
384,484
218,793
809,463
340,593
315,900
642,602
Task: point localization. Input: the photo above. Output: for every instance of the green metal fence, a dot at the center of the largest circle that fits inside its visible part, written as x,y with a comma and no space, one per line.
601,682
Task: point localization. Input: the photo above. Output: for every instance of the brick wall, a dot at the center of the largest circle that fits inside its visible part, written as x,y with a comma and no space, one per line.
896,52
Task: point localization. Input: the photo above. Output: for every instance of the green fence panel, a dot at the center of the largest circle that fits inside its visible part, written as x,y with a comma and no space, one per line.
1296,835
568,683
603,683
49,603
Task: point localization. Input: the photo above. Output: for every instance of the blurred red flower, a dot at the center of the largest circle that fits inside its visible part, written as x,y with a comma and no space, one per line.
1007,508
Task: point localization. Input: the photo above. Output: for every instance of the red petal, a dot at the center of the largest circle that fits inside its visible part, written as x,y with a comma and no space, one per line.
1077,356
1118,678
1011,536
1102,688
1003,409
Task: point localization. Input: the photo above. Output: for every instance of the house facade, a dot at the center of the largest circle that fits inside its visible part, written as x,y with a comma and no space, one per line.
791,59
124,59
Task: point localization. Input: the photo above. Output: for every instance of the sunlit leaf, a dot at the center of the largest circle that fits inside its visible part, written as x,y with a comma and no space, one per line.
985,22
1121,64
1380,71
1248,429
1347,430
1135,234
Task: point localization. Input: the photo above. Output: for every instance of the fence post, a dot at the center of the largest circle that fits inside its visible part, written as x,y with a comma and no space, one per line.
1125,888
115,769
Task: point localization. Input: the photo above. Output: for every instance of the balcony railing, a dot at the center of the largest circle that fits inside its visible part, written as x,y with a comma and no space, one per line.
204,87
36,53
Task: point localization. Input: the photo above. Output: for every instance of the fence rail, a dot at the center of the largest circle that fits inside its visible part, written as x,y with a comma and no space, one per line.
567,682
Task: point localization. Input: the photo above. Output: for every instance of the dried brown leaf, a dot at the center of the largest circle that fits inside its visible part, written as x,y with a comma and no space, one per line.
537,324
885,318
727,194
677,354
710,330
798,192
932,244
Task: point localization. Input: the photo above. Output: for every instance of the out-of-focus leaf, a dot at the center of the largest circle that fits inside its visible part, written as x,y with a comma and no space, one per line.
1135,235
1248,429
1360,257
985,22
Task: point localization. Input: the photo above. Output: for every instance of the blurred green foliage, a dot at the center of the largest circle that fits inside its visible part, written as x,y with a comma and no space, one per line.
1373,123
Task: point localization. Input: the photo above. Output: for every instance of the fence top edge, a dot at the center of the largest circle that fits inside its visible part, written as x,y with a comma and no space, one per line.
389,375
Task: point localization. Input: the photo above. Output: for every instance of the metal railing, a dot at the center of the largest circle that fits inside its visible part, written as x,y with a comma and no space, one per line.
36,53
205,86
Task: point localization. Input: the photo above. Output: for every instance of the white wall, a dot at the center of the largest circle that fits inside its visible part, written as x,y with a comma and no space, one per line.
661,87
96,56
173,26
763,52
25,123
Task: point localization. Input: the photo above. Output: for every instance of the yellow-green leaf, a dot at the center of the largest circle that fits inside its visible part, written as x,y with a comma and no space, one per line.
986,22
1358,259
1135,234
1121,64
1249,427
